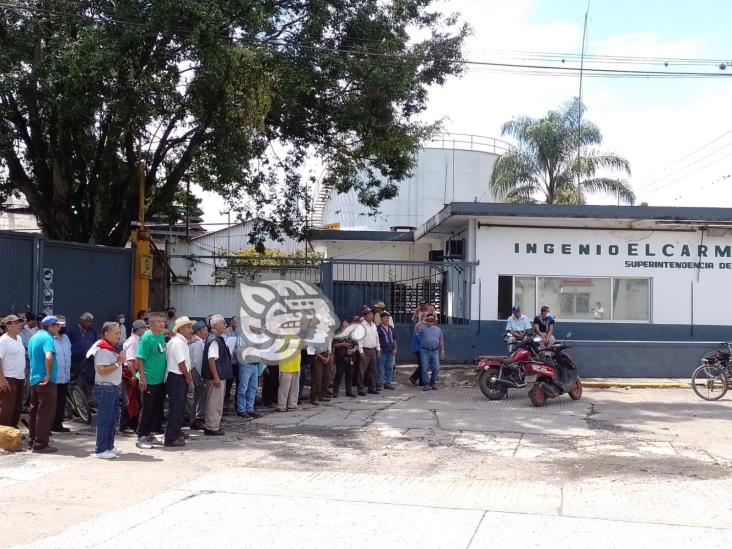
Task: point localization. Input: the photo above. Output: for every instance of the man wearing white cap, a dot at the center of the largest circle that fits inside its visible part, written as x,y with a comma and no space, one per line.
217,368
178,369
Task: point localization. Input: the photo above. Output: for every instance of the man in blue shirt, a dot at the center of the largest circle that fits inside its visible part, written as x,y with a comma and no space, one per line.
432,350
82,337
63,375
518,326
544,326
43,370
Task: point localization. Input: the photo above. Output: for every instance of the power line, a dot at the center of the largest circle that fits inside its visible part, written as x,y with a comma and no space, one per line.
534,69
692,153
686,176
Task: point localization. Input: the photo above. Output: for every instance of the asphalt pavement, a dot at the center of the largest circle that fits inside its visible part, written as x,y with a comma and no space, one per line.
448,468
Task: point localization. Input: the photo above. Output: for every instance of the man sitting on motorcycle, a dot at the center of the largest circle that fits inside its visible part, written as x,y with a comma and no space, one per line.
518,327
544,327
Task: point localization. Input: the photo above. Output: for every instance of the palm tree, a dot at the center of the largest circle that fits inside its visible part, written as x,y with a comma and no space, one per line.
544,166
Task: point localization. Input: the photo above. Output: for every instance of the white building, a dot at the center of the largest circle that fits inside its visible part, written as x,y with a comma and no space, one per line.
643,289
15,216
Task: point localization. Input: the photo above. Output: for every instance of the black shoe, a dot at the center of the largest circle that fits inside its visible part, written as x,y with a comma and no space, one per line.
61,429
242,415
413,381
44,449
197,426
175,443
350,395
362,393
211,433
373,392
255,415
390,387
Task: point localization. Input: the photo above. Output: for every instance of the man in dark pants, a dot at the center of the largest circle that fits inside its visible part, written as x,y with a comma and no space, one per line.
369,349
178,360
43,368
344,348
82,337
319,375
151,352
63,376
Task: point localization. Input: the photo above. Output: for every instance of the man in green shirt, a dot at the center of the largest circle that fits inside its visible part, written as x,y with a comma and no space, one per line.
151,353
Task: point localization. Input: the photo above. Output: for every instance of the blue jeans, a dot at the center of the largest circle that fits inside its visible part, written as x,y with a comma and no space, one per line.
108,408
385,369
246,388
429,359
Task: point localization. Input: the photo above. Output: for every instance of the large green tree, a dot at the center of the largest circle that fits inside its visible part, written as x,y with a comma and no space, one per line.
555,161
238,95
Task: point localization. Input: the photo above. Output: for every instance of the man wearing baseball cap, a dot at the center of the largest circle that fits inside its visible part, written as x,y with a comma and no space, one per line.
380,307
518,326
43,368
12,371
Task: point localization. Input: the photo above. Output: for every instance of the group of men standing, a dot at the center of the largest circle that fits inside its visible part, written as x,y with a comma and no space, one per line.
189,363
37,357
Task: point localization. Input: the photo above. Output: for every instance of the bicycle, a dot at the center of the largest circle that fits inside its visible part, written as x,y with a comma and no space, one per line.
713,378
78,405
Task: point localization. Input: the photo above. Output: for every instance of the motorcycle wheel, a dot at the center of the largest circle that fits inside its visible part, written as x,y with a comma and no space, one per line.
575,393
537,396
492,391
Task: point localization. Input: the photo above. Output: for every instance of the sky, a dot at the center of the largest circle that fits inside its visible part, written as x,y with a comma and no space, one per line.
662,126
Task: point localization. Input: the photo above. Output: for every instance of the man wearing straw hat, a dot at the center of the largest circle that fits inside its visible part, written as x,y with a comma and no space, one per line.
178,369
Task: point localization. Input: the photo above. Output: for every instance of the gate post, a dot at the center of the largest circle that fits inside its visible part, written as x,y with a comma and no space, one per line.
326,279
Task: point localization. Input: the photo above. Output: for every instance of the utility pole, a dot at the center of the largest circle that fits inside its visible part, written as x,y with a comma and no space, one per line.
188,205
141,243
579,119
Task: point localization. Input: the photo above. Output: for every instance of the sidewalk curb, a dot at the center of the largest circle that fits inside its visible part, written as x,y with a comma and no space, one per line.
621,383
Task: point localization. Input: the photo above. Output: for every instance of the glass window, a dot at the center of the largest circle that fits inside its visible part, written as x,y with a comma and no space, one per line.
631,299
525,294
575,298
584,298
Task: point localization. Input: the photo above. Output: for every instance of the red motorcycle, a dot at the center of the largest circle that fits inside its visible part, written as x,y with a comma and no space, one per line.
552,371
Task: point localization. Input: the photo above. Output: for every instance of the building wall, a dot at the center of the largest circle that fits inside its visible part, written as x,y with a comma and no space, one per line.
679,294
440,177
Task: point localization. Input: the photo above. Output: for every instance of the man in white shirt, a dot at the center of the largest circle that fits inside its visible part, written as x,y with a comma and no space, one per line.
12,371
518,327
178,370
380,307
216,369
369,349
197,393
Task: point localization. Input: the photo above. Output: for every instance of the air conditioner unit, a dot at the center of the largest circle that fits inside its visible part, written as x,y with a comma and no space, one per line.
455,249
437,255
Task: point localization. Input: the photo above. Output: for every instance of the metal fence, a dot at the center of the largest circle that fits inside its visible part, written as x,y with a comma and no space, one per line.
40,275
353,284
250,269
402,286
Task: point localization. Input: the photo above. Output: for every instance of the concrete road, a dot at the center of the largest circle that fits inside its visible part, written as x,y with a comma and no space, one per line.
406,468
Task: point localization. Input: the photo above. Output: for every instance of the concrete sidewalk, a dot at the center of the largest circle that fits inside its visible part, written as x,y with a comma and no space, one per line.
463,375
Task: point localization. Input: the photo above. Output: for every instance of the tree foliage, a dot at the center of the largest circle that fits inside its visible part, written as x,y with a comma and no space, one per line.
237,95
545,166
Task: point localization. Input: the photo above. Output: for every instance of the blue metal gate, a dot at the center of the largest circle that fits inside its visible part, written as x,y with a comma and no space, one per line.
42,275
